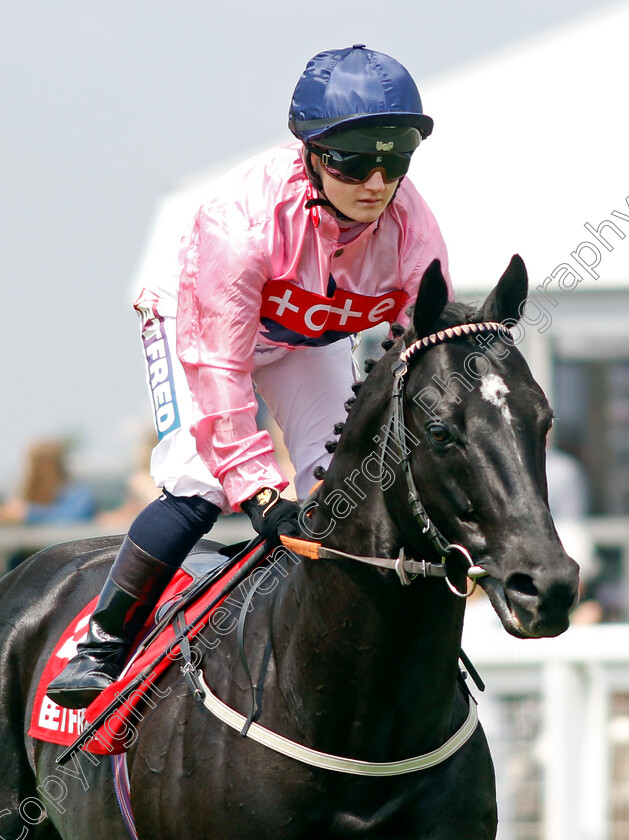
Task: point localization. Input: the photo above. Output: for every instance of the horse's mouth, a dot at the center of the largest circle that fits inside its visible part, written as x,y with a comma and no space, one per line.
506,612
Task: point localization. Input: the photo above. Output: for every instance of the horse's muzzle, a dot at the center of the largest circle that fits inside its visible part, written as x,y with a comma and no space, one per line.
533,603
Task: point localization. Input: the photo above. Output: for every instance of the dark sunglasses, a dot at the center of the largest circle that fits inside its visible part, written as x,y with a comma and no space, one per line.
355,168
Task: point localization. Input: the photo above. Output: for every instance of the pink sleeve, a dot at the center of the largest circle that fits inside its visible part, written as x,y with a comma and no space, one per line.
423,244
217,325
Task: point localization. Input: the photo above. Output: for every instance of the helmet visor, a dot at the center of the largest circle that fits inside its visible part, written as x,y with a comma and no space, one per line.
353,168
371,139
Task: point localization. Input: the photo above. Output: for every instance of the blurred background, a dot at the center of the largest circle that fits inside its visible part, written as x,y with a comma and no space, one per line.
117,117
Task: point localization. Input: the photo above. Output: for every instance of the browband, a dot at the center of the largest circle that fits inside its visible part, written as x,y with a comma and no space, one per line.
450,333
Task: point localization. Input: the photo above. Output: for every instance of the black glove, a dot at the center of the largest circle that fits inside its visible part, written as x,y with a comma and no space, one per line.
271,515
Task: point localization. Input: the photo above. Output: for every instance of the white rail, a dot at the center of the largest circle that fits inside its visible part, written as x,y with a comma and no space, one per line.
556,713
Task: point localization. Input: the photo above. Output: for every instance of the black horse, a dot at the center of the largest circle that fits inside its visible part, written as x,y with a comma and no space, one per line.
353,655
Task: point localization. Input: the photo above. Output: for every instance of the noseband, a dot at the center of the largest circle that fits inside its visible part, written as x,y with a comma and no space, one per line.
396,430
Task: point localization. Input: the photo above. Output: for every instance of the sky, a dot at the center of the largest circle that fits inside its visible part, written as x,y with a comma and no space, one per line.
109,104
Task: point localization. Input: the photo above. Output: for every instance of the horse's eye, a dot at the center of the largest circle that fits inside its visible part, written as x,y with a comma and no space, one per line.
547,425
438,433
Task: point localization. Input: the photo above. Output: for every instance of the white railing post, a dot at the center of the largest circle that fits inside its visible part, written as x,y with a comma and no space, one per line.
563,704
594,776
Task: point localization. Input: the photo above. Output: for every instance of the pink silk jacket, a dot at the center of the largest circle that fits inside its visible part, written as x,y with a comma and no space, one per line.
262,275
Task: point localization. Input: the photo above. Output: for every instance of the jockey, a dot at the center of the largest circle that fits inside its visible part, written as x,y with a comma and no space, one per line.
294,252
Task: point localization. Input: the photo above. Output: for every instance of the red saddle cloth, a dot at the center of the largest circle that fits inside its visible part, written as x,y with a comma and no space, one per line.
53,723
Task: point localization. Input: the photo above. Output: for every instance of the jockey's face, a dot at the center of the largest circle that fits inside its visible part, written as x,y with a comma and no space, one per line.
363,202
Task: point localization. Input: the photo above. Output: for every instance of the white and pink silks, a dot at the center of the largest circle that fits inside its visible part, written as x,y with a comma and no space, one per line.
268,294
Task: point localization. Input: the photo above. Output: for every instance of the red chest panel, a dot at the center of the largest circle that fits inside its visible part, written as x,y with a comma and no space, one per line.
311,315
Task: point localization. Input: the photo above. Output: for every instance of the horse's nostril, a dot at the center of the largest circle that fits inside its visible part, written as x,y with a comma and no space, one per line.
523,584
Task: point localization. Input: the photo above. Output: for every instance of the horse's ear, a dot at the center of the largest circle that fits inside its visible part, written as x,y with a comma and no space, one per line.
506,301
431,298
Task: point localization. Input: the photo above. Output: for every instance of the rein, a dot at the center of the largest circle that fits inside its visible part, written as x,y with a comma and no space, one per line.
299,752
400,564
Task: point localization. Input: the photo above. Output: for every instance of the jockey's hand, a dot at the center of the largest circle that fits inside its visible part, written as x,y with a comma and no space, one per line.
271,515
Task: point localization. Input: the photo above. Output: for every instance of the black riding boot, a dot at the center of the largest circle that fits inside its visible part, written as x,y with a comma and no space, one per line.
133,587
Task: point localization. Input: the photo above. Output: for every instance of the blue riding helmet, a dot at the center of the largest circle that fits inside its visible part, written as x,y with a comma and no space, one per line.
354,87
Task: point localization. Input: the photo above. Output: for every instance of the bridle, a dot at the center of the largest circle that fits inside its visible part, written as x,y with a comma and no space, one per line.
405,567
396,431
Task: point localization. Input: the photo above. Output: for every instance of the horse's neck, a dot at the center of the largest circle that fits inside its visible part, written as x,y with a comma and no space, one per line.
365,658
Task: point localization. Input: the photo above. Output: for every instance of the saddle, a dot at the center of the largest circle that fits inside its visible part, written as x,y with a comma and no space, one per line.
204,581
